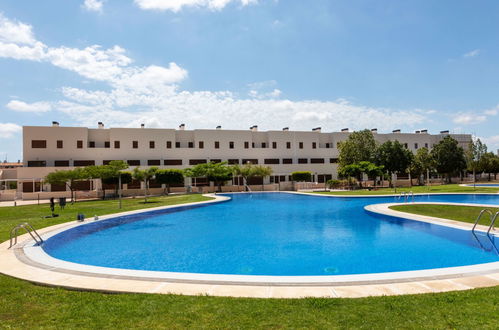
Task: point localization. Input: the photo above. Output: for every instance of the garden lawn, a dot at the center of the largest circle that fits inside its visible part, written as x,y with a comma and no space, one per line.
453,212
448,188
24,305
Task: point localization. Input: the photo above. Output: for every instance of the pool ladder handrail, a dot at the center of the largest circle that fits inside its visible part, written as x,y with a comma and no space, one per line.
492,218
29,229
406,195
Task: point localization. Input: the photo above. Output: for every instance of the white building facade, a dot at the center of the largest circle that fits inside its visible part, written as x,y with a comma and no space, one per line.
51,148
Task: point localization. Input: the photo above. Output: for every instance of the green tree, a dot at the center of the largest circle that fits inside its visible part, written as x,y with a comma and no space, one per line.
449,157
422,164
360,146
126,177
301,176
68,177
248,171
218,173
473,155
394,158
170,177
488,164
145,176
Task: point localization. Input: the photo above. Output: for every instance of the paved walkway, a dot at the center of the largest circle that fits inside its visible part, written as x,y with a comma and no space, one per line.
20,202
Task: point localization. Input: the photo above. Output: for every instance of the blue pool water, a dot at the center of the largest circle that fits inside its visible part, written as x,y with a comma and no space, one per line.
275,234
492,185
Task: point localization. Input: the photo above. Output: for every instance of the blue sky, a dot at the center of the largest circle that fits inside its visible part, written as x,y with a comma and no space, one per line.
357,64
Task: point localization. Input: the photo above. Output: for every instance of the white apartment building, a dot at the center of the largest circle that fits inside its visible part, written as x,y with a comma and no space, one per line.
51,148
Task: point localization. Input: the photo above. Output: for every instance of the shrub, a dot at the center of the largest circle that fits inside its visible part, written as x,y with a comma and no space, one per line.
303,176
333,184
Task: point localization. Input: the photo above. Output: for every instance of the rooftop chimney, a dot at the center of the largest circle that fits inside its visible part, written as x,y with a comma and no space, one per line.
344,130
219,127
417,132
55,124
142,125
396,131
285,129
374,130
181,127
317,129
100,124
254,128
444,132
424,131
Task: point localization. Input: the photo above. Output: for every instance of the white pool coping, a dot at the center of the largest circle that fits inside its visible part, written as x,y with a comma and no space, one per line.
34,257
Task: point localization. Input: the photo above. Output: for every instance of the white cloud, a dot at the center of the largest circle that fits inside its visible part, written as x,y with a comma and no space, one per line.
492,143
15,32
93,5
491,112
150,95
472,53
37,107
177,5
468,119
7,130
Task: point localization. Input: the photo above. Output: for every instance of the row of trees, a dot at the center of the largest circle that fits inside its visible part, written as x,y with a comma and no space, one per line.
114,174
360,154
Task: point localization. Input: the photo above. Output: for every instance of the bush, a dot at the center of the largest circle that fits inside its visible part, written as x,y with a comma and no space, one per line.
303,176
333,184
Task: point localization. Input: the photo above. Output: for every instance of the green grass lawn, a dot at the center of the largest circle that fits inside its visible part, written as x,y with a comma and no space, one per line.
453,212
448,188
24,305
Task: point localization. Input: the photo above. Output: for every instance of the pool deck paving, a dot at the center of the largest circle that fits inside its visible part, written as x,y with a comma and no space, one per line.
23,261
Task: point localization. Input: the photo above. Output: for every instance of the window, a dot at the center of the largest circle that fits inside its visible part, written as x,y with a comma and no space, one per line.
116,144
197,161
302,160
190,144
91,144
60,144
177,144
107,144
287,160
61,163
426,145
231,145
217,145
328,145
271,161
151,144
39,144
37,163
135,144
250,161
133,162
288,145
79,144
246,145
416,145
333,160
300,145
252,144
153,162
316,160
172,162
84,162
201,144
314,145
406,146
106,162
216,161
168,144
233,161
274,145
264,145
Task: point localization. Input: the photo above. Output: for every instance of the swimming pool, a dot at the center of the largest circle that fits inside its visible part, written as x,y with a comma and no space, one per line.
277,234
490,185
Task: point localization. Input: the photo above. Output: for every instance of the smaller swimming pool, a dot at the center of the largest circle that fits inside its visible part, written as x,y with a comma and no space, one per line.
487,185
